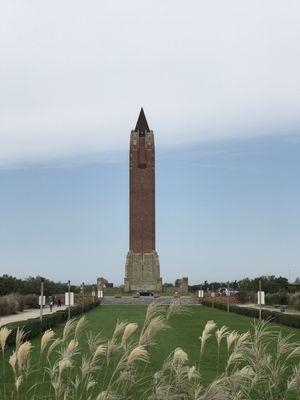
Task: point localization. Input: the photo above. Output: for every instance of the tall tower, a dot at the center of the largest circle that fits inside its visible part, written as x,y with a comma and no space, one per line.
142,270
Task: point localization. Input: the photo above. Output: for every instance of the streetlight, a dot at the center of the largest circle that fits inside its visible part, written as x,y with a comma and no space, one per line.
69,300
93,293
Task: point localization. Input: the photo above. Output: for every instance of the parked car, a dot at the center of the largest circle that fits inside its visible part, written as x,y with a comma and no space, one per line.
145,293
232,292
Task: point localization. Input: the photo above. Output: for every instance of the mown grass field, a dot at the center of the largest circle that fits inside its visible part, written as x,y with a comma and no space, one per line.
184,332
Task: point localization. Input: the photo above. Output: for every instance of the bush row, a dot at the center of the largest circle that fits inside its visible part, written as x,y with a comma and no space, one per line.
274,316
33,327
13,303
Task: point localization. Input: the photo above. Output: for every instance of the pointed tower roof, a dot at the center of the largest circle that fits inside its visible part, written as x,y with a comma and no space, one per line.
142,124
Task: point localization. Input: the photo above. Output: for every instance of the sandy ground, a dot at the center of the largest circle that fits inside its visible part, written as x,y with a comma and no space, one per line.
30,313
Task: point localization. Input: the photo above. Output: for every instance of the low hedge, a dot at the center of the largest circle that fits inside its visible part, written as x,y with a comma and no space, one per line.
32,327
274,316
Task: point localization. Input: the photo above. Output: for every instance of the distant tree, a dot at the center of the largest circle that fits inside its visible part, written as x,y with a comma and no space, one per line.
31,285
168,285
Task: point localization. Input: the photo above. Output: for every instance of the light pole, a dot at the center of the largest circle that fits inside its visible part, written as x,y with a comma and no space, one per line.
93,293
42,301
82,288
213,296
227,296
259,298
69,300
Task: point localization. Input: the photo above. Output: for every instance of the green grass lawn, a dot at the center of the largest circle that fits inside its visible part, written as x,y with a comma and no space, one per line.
184,332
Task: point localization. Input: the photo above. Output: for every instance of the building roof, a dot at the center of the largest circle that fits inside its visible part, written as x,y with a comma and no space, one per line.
142,124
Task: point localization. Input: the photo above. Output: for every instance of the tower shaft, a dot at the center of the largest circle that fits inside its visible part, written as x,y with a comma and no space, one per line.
142,264
142,193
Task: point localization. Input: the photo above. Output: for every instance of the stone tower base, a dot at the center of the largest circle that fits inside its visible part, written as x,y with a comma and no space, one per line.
142,272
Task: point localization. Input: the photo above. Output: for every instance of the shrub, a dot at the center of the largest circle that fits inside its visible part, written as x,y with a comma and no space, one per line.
21,302
277,298
274,316
294,300
31,300
10,304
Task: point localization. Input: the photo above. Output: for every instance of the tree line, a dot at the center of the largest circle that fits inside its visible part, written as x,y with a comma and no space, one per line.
32,285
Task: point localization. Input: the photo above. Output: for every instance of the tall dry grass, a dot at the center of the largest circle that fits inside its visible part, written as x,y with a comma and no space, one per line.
114,369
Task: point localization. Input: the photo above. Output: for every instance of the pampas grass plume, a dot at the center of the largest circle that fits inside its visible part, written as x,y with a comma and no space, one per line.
138,354
23,354
4,333
180,356
231,338
80,325
18,382
128,331
47,336
13,361
101,349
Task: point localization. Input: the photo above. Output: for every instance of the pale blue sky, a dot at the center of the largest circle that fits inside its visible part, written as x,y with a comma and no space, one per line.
220,84
225,210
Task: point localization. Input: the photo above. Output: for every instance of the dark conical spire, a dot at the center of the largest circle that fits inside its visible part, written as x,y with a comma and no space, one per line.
142,124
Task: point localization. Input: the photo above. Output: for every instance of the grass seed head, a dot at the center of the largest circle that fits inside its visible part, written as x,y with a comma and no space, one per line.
180,356
220,334
13,361
294,382
4,333
128,331
210,326
18,382
138,354
80,326
100,350
72,346
192,373
231,338
20,336
47,336
69,328
23,353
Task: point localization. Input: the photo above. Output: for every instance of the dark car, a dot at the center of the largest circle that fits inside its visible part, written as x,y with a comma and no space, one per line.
145,293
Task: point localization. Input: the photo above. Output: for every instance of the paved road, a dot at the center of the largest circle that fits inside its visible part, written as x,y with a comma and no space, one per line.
185,300
30,313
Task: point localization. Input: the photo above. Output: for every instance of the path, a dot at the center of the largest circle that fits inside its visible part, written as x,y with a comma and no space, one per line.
184,300
27,314
270,308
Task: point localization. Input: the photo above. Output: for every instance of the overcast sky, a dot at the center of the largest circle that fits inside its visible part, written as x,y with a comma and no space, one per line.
74,74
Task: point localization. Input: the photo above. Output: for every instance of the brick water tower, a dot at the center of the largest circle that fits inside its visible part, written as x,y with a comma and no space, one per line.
142,271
